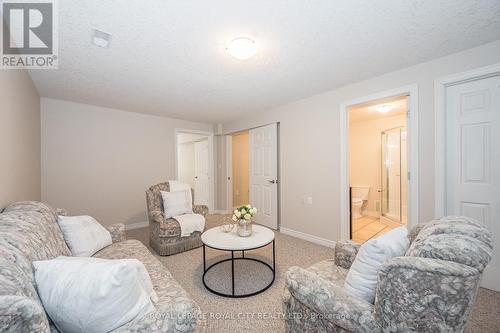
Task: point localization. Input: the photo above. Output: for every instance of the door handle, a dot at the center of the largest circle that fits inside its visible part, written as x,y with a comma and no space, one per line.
272,181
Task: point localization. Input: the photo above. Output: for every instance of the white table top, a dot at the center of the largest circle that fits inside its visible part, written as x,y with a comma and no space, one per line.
215,238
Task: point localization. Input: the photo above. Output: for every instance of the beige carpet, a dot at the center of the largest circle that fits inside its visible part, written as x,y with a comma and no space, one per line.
262,313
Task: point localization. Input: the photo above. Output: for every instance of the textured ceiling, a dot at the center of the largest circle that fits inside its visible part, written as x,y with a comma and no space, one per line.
168,57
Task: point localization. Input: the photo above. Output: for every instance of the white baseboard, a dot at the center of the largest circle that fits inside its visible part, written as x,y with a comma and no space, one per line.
137,225
307,237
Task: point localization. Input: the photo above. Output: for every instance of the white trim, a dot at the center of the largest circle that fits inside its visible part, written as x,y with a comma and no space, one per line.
307,237
211,164
440,86
413,153
137,225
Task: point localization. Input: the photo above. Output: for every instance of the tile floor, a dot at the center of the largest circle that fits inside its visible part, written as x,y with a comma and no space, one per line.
367,227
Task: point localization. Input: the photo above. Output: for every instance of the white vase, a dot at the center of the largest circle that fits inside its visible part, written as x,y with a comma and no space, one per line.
244,228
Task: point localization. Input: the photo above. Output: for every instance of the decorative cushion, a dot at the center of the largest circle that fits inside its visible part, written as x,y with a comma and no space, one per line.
93,295
177,203
361,280
84,235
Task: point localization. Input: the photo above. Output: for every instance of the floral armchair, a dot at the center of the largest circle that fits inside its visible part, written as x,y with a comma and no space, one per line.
430,289
165,234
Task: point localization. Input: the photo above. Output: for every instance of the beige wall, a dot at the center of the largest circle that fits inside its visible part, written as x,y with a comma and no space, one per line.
240,170
309,143
99,161
365,150
221,172
19,138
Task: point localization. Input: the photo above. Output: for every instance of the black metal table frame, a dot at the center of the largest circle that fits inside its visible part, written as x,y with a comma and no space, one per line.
232,259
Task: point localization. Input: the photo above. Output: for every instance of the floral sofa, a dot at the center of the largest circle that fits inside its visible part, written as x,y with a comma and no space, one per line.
165,234
430,289
29,232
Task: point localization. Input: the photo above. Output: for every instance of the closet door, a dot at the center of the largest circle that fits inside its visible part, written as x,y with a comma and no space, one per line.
473,159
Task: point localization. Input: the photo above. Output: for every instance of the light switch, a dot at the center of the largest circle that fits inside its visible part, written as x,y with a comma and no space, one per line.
309,200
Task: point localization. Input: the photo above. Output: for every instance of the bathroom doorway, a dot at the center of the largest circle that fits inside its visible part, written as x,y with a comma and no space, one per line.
378,169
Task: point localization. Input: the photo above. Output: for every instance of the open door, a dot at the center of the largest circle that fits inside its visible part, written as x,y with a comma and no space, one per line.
263,148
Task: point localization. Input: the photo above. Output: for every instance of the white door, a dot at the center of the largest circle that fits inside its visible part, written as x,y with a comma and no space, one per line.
201,172
264,174
473,159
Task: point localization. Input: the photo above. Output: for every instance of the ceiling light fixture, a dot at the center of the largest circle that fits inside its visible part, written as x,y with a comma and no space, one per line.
384,108
101,38
242,48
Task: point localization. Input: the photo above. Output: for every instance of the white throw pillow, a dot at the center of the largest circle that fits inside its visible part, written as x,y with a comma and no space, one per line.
361,280
177,203
93,295
83,234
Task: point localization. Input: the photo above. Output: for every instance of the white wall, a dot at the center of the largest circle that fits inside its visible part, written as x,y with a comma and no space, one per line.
365,150
310,151
100,161
19,138
185,156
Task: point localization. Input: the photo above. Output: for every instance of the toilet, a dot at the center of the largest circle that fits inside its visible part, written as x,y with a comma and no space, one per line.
359,194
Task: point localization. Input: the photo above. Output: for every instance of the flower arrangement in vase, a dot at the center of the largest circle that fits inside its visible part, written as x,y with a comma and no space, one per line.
243,216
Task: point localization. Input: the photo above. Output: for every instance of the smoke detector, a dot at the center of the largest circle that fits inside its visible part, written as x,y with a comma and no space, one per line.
101,39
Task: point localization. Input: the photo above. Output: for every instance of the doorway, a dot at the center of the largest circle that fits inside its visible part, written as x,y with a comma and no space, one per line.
241,169
377,167
194,164
379,163
252,169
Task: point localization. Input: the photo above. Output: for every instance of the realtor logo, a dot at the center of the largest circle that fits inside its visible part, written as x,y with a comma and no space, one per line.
29,36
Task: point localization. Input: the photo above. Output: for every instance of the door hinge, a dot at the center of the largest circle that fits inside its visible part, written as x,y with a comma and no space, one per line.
409,175
408,113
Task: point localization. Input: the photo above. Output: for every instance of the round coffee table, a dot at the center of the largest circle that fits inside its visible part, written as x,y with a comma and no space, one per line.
231,242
